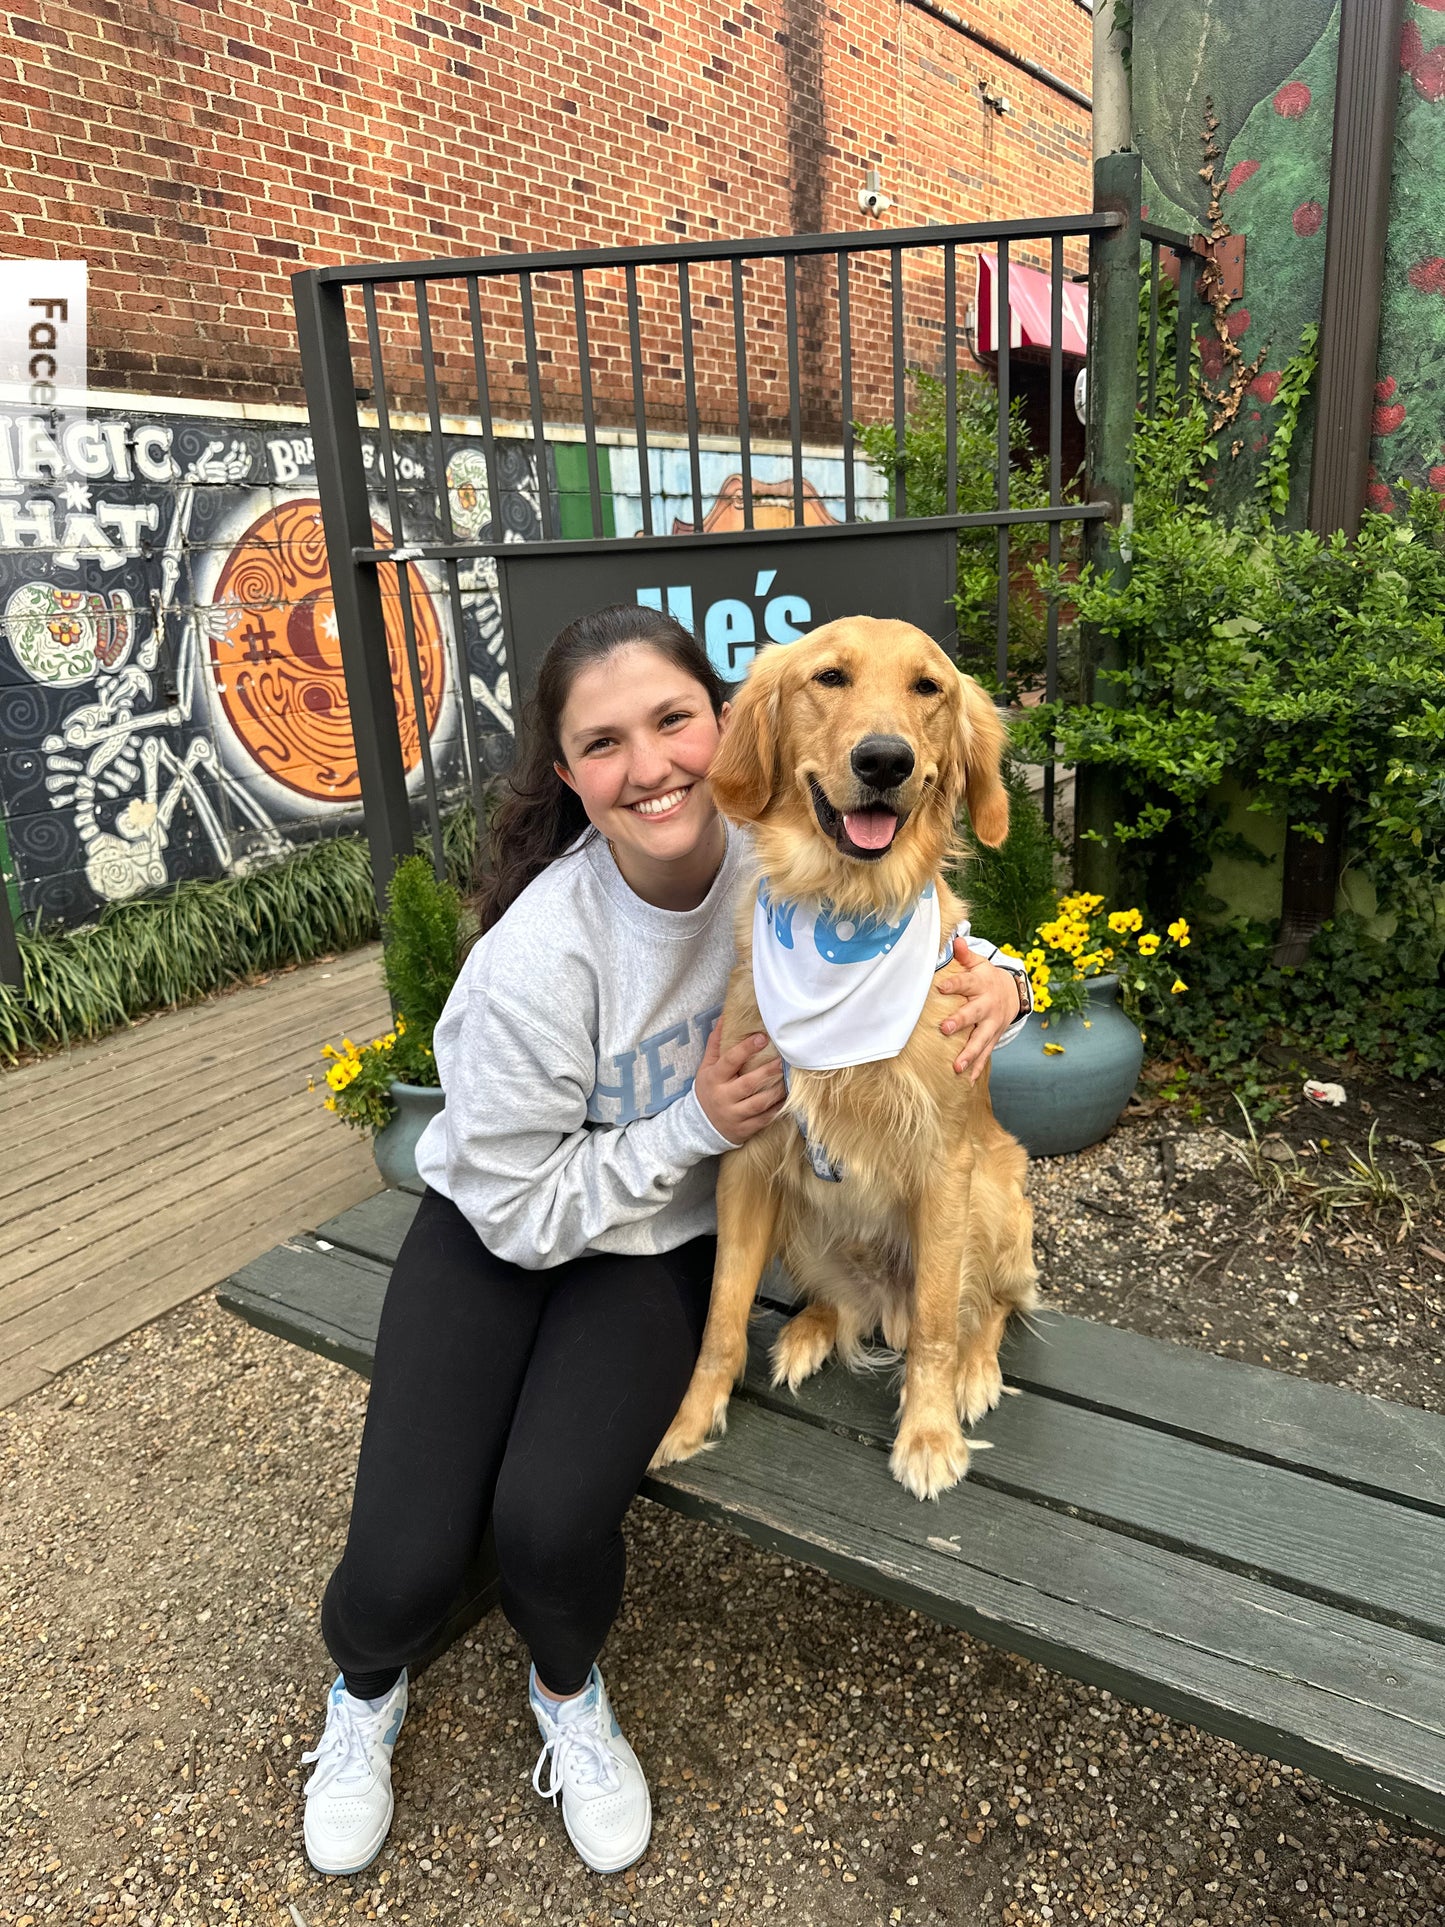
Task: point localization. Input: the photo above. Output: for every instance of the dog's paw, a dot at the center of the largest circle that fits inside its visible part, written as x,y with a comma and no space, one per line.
803,1345
928,1459
700,1423
980,1385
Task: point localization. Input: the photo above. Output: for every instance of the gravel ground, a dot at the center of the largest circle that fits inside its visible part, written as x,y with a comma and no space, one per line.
171,1510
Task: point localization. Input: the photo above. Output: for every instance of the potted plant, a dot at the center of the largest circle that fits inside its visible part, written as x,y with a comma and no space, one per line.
389,1086
1065,1080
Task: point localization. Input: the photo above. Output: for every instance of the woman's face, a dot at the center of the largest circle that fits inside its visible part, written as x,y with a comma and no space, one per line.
637,734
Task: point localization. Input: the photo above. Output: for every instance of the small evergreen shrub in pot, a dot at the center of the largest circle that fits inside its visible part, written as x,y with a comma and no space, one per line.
390,1086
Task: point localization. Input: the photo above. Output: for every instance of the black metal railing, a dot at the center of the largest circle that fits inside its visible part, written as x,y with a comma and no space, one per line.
624,347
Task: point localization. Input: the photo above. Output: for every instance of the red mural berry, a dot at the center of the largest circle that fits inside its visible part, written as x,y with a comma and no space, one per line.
1429,74
1308,218
1384,389
1436,478
1241,172
1238,323
1266,386
1429,276
1386,420
1380,496
1411,46
1435,6
1292,99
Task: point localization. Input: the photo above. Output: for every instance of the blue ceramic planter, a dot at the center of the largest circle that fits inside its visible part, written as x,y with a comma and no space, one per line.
1057,1103
394,1145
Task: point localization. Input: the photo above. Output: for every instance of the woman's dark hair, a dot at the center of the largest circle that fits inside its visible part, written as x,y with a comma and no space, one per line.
539,816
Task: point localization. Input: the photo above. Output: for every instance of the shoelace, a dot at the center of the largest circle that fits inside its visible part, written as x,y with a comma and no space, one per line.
582,1740
341,1749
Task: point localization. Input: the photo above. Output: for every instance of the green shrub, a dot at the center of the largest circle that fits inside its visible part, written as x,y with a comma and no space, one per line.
1010,891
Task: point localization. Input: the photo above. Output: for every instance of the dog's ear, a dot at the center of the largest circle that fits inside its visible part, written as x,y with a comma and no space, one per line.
979,751
745,764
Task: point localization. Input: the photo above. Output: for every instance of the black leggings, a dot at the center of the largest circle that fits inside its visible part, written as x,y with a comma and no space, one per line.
535,1398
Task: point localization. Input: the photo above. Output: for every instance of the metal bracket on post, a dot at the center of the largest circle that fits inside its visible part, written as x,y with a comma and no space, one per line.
355,586
1113,399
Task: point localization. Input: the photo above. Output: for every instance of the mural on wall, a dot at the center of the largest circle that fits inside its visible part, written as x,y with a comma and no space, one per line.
171,697
1268,70
172,702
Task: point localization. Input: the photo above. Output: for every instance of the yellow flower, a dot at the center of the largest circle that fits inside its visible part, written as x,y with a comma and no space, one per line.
348,1047
1178,985
1148,944
1179,931
1107,955
1118,921
1009,951
1033,959
400,1025
330,1104
1042,1000
1053,1050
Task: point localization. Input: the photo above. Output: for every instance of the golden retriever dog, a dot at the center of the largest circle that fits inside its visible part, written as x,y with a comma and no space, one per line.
927,1236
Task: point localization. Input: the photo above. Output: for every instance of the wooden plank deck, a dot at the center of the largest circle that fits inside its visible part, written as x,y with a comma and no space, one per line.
139,1170
1181,1529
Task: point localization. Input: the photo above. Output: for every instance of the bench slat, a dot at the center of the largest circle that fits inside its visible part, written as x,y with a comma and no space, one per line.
823,1502
1362,1553
1373,1445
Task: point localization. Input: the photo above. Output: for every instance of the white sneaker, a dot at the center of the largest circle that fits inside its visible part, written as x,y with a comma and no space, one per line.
348,1797
606,1807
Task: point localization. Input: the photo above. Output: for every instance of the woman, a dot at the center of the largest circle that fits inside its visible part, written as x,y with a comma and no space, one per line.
546,1309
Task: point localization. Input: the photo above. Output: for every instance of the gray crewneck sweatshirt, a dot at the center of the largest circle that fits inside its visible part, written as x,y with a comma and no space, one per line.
567,1052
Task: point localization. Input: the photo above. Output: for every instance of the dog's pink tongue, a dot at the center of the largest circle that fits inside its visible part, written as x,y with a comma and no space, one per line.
870,829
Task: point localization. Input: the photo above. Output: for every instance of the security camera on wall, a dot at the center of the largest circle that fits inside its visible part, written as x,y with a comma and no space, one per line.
871,197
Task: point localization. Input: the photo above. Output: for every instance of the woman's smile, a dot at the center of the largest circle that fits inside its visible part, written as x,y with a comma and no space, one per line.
665,805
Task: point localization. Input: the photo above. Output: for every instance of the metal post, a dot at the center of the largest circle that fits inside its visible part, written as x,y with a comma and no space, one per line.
355,587
12,968
1112,400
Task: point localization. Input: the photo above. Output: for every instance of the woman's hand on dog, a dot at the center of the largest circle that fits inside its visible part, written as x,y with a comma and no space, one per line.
990,1004
740,1090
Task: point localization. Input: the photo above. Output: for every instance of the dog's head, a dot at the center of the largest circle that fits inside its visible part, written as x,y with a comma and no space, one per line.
851,752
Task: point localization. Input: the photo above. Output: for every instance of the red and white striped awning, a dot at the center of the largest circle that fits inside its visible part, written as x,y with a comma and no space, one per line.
1030,308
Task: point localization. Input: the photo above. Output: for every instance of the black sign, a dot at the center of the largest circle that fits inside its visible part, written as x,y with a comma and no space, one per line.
735,592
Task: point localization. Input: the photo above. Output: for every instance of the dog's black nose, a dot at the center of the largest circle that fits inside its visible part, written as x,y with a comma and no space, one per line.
882,761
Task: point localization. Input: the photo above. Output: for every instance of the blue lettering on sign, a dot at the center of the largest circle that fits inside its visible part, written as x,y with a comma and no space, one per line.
845,940
729,630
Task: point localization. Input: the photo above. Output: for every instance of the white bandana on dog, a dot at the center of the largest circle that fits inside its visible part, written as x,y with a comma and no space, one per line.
834,989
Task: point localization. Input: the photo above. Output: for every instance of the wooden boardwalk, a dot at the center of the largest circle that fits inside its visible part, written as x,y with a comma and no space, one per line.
141,1170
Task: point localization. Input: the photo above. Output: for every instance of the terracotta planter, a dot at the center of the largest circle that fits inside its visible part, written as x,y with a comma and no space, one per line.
394,1146
1057,1102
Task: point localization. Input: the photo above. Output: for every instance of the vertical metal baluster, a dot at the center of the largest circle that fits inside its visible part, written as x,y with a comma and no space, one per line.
689,382
534,388
589,423
639,402
900,393
471,736
1184,329
1152,384
950,376
1003,344
1056,490
740,363
398,540
484,406
795,400
845,352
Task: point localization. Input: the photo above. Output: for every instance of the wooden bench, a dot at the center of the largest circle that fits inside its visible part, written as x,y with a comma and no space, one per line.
1257,1554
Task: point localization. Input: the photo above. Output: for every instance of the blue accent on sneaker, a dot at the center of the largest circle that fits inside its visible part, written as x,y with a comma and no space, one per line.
389,1737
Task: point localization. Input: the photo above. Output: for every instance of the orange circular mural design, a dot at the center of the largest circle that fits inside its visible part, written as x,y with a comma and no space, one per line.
276,655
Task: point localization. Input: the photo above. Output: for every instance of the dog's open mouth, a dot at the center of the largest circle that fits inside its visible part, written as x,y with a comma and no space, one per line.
865,833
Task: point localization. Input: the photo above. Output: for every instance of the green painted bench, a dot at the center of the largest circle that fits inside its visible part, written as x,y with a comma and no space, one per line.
1260,1555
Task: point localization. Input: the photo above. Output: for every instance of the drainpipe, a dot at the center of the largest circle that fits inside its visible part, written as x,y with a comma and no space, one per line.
1112,399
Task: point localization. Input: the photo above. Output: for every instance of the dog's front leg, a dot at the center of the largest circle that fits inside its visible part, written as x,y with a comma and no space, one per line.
930,1452
747,1218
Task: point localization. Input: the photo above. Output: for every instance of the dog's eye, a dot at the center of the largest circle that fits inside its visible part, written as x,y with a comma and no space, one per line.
926,686
831,678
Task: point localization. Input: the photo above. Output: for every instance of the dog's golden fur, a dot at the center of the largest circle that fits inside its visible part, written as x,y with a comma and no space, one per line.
928,1237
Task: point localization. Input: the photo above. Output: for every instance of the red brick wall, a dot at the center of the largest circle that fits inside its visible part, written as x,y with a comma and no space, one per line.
198,154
